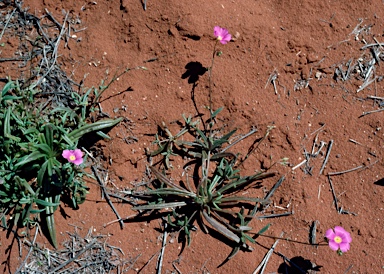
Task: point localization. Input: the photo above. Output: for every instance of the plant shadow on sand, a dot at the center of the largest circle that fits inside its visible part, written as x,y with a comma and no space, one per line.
297,265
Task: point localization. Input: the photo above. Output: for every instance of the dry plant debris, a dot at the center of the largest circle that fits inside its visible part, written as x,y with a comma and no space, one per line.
89,254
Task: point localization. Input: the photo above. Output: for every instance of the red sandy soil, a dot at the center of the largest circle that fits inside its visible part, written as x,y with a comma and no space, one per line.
300,41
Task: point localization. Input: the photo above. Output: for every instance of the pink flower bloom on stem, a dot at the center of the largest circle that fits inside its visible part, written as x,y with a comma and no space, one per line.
338,239
222,35
73,156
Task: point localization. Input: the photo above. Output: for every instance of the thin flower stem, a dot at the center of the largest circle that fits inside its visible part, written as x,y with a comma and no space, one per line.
210,78
287,239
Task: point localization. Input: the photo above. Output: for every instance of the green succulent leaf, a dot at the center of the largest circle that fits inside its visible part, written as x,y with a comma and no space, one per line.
99,125
47,202
35,155
264,229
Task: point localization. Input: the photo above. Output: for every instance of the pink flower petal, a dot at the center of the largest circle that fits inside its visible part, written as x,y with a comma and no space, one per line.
78,161
339,230
222,34
345,238
66,153
334,246
344,247
329,234
216,31
348,238
225,39
78,153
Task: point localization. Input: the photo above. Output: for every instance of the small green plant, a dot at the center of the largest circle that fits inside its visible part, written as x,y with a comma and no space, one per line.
34,133
212,195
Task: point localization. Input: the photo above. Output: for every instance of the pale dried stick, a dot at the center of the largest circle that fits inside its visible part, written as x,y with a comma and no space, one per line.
161,256
263,263
333,193
326,156
6,24
29,252
346,171
106,196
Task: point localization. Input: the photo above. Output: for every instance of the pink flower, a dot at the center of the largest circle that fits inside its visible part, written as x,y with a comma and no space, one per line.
338,239
222,35
73,156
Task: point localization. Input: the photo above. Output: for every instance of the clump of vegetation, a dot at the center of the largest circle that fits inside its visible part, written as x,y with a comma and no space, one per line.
33,135
43,120
212,194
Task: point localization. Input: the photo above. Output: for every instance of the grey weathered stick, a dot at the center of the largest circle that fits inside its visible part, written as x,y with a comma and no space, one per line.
240,139
375,97
53,19
300,164
346,171
264,262
372,45
254,146
320,128
273,189
123,199
349,268
29,252
145,265
326,156
6,24
21,58
272,79
221,228
175,267
366,84
275,215
350,67
314,144
355,142
370,69
106,196
88,246
161,256
376,55
54,54
333,193
370,112
312,233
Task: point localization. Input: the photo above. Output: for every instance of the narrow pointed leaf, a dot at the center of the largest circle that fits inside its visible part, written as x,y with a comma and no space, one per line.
50,221
265,228
29,158
159,206
164,179
221,228
99,125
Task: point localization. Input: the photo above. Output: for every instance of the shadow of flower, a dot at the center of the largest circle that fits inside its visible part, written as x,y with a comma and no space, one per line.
193,71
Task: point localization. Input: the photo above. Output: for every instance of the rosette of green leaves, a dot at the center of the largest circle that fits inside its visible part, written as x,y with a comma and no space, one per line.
214,197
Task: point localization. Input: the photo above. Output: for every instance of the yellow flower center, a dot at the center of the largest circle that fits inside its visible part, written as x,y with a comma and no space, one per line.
219,38
72,157
337,239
